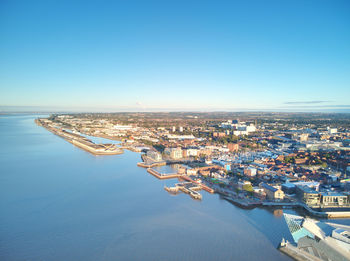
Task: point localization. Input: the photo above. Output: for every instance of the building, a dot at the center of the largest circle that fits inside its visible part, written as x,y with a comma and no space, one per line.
233,147
173,153
192,172
332,130
219,134
308,196
323,240
288,188
154,155
333,199
190,152
243,129
227,167
303,137
250,172
317,199
122,127
272,193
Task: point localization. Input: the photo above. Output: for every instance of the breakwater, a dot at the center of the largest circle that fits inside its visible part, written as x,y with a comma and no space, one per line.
82,142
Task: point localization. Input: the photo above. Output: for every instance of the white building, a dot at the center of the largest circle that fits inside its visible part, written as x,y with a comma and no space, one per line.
122,127
174,153
154,155
332,130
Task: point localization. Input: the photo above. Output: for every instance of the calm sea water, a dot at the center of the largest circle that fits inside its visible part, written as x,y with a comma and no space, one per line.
58,202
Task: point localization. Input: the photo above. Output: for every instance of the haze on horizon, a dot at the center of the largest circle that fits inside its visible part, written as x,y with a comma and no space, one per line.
175,55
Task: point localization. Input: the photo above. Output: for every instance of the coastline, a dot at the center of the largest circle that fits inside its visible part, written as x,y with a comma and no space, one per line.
85,144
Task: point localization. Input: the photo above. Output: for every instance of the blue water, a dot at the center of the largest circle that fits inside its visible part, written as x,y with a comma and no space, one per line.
59,202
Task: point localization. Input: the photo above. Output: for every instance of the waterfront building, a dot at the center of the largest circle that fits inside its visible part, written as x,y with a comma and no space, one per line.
308,196
333,199
174,153
272,193
288,188
154,155
315,199
259,193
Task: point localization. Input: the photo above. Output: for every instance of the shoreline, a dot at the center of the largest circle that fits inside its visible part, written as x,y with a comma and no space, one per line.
80,142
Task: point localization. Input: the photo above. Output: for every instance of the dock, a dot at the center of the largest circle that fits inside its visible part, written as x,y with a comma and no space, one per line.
186,187
179,176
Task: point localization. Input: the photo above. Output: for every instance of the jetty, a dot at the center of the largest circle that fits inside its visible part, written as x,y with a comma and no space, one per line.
159,175
81,141
186,187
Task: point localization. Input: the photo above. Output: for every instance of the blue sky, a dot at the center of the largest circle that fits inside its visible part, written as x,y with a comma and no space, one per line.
175,55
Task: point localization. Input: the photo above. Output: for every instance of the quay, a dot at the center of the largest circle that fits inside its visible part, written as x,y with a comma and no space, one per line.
295,253
179,176
189,187
240,202
204,187
320,214
151,165
186,187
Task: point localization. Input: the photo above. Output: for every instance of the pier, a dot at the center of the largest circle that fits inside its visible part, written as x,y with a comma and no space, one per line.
186,187
179,176
82,142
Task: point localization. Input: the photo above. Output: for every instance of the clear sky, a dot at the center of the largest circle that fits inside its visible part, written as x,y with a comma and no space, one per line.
175,55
